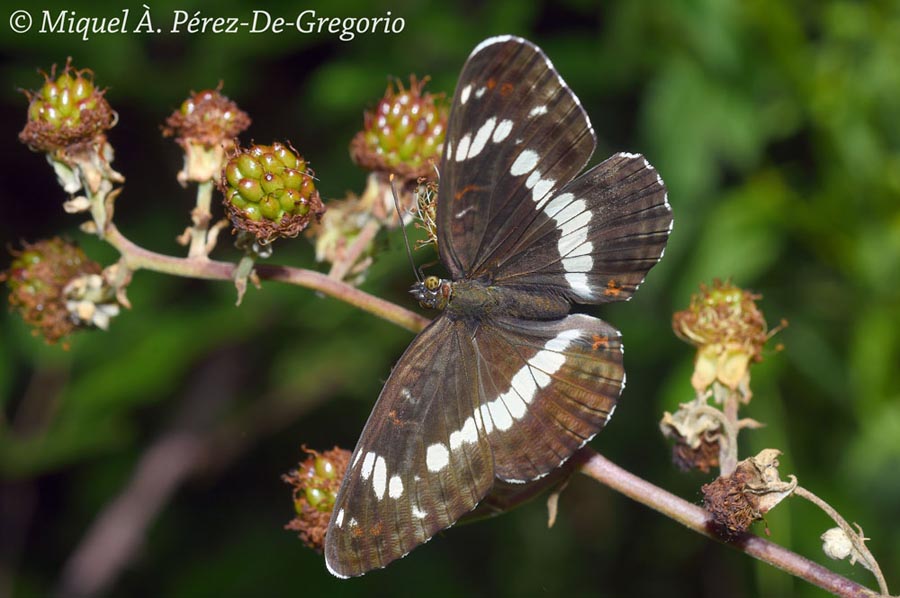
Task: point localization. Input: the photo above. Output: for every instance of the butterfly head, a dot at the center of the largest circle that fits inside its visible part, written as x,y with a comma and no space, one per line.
432,293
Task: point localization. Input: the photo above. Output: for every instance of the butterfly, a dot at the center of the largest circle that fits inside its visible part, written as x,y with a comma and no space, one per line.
505,384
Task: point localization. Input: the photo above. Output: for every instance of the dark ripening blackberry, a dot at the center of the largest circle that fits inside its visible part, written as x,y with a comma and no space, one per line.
37,278
67,110
404,134
270,192
207,117
315,486
205,126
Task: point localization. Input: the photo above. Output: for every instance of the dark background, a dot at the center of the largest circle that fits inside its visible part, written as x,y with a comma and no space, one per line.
776,126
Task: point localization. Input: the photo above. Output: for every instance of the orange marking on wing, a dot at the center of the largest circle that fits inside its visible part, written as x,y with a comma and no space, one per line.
491,83
397,420
506,89
464,190
376,529
613,289
599,341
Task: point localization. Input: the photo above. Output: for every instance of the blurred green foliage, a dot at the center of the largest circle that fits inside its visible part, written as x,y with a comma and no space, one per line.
776,126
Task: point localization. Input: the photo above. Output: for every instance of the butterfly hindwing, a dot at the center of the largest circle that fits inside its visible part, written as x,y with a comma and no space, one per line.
547,387
601,234
422,460
516,134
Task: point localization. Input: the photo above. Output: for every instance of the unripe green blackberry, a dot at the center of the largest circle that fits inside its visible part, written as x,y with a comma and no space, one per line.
315,486
37,278
65,111
404,134
269,191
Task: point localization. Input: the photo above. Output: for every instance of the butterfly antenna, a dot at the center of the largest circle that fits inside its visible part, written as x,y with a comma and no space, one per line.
412,262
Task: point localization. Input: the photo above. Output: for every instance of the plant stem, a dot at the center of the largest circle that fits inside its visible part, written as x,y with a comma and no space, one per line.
201,216
728,456
697,519
343,266
136,258
855,538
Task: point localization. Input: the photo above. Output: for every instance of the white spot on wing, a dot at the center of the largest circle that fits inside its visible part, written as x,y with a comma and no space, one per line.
579,285
558,203
339,520
562,340
464,95
480,92
549,361
537,111
500,415
521,392
437,457
481,137
515,404
462,150
395,487
540,377
418,513
462,213
368,462
379,477
577,224
467,433
569,212
581,263
541,189
571,247
485,416
524,163
502,131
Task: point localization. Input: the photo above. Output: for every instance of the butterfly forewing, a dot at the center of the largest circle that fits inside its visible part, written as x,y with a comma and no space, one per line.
516,134
601,234
547,387
422,460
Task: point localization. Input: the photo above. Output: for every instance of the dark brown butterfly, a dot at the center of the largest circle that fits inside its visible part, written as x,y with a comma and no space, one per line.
504,384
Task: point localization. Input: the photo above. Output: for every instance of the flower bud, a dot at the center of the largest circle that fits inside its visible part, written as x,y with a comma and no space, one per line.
729,331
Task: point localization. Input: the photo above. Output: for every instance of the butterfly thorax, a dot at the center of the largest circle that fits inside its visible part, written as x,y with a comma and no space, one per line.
476,299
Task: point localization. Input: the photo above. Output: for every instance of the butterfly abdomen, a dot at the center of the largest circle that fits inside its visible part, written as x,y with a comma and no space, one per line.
473,299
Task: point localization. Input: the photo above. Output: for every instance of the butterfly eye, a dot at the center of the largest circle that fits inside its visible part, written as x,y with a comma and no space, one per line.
432,283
